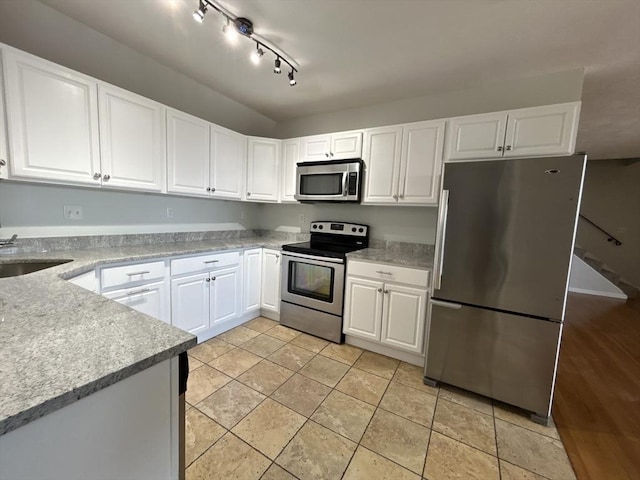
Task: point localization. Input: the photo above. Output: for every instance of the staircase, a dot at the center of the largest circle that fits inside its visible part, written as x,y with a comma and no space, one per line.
630,290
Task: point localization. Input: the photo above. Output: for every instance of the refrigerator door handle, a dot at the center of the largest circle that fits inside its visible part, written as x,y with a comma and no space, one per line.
453,306
443,210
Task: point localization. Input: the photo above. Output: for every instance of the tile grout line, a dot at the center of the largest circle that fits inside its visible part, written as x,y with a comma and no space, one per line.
495,436
433,419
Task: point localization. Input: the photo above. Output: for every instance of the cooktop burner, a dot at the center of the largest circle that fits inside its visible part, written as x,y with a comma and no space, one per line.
332,239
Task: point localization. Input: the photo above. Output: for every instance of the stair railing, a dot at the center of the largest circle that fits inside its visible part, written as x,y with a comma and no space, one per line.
610,238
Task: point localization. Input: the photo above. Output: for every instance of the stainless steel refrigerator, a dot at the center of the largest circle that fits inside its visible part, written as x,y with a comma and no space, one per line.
504,243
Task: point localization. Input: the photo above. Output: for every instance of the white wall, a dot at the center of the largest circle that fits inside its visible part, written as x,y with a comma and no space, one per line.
406,224
557,87
33,210
38,29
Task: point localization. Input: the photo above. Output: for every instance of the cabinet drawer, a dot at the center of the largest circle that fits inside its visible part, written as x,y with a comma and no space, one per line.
131,274
389,273
200,263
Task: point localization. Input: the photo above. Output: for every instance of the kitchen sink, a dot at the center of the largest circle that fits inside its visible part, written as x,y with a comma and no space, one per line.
14,269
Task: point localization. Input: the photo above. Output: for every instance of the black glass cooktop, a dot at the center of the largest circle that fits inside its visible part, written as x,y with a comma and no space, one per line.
321,249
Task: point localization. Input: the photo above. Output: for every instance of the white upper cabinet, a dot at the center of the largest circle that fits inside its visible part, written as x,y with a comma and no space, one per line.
421,162
536,131
290,159
132,140
335,146
53,121
187,154
549,130
403,163
228,154
262,169
4,149
381,155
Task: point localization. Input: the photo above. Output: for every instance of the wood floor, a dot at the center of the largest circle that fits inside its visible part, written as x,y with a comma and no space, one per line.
597,399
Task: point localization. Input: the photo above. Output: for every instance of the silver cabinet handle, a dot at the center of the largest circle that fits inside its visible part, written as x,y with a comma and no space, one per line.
500,148
508,147
383,273
106,177
453,306
138,273
139,292
211,261
96,176
379,290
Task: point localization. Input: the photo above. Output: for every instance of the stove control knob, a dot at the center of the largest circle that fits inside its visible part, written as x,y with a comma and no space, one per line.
353,229
361,229
315,226
320,227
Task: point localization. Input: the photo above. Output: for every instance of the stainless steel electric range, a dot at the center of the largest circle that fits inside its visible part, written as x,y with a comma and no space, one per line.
313,278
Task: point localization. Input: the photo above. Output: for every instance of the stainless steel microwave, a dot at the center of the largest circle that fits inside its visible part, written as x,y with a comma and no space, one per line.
330,181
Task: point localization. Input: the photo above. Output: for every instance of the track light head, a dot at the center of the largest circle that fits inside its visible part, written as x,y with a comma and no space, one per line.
292,80
199,14
276,67
257,54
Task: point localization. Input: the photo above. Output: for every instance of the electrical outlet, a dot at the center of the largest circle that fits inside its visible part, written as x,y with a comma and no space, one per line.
169,212
73,212
301,218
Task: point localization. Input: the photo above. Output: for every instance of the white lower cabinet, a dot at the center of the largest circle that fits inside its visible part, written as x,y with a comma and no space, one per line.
386,304
190,302
252,280
225,291
151,299
270,297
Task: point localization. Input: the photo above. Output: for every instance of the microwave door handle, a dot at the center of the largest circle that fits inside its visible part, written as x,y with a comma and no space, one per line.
345,179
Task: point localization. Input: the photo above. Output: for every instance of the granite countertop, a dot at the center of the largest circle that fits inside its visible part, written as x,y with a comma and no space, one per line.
60,343
392,253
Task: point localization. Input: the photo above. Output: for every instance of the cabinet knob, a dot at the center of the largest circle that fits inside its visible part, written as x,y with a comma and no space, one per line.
508,147
331,154
3,162
386,291
213,278
395,197
248,194
213,189
500,148
106,177
402,196
207,279
379,290
326,155
96,176
208,189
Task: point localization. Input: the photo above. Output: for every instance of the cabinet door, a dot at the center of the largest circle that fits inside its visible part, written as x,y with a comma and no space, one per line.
315,148
381,155
262,169
270,298
228,157
421,163
190,302
476,136
4,149
52,121
346,145
252,278
132,140
187,154
151,299
403,317
363,308
549,130
290,158
225,295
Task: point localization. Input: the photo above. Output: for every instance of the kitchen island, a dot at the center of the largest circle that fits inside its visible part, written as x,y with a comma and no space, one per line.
88,387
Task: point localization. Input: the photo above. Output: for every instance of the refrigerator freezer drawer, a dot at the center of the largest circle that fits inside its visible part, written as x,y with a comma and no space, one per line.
508,357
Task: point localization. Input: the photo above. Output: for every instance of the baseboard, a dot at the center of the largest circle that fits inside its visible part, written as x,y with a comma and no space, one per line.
598,293
226,326
412,358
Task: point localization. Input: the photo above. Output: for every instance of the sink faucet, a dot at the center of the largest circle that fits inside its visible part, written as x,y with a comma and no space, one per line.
8,242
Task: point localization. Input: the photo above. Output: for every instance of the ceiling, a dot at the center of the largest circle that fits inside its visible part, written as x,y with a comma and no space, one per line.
354,53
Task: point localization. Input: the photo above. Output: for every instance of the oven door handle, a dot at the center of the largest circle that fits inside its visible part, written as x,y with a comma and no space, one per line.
304,256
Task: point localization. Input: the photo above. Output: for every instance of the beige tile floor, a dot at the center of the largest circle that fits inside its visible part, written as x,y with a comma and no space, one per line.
267,402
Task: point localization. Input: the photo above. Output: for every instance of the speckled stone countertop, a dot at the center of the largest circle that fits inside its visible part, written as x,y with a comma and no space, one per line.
60,343
414,255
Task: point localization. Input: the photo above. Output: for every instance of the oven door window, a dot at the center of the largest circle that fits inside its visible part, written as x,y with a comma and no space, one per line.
321,184
313,281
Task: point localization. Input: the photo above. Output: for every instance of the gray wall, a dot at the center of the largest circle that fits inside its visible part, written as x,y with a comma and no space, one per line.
611,199
557,87
39,206
38,29
407,224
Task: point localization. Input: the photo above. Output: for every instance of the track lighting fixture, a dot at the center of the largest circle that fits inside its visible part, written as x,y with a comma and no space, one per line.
236,26
257,54
199,14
